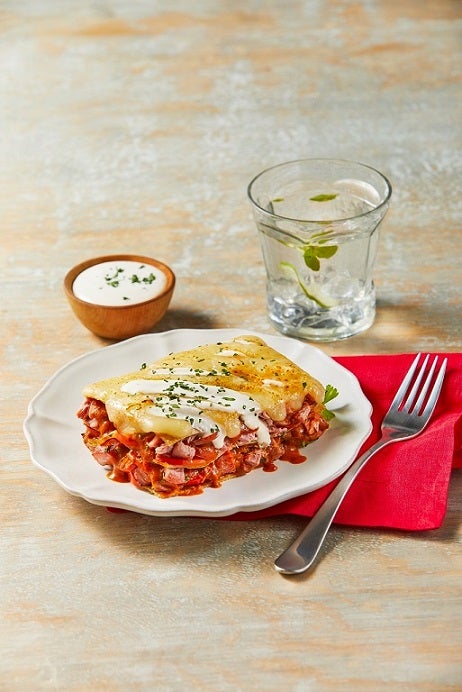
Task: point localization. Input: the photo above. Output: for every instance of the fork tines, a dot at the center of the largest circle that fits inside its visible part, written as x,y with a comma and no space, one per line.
405,399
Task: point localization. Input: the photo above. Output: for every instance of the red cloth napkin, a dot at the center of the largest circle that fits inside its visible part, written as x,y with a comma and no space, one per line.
405,485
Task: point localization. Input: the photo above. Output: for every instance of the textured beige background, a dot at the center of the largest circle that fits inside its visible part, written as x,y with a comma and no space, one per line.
136,126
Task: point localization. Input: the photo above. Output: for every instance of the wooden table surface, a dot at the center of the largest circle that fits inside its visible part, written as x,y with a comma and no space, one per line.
135,127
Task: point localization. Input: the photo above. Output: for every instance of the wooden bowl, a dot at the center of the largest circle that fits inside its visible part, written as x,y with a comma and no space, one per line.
120,321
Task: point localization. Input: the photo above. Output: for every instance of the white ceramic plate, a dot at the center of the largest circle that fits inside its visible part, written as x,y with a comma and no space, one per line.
53,430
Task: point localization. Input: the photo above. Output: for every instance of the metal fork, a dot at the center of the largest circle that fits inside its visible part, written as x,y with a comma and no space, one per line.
407,416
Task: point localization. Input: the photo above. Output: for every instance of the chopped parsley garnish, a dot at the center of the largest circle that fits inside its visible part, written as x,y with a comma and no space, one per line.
113,280
135,279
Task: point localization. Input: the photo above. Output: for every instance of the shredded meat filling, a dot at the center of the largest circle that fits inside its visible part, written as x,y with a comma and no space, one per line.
187,466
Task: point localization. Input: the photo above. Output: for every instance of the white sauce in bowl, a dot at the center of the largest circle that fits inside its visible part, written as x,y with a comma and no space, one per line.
119,282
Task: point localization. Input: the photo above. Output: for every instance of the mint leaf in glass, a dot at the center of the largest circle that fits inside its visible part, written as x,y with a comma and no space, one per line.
326,197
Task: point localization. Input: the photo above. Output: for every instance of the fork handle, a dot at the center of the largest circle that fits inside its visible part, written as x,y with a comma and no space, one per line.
301,554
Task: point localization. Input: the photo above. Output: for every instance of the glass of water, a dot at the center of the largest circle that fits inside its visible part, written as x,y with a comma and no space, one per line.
318,223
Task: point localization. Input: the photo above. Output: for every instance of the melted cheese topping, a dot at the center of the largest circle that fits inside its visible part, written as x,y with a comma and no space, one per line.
211,388
196,403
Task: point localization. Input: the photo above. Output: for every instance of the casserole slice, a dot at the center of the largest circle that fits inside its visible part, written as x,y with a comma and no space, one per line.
194,419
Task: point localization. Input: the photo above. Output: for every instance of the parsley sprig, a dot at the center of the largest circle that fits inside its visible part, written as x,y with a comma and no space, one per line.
330,393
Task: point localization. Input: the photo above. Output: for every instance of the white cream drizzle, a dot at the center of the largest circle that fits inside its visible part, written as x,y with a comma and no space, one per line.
273,383
190,400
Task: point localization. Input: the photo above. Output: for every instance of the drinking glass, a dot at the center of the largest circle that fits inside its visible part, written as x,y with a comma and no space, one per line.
318,222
